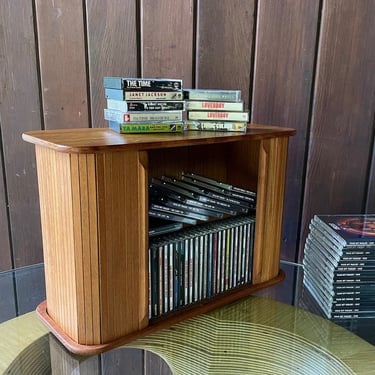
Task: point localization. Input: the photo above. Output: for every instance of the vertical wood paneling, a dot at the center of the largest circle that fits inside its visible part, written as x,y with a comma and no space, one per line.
89,268
167,39
224,45
270,193
112,47
19,109
342,122
5,251
284,38
61,38
370,199
57,186
93,245
121,225
339,152
77,230
284,62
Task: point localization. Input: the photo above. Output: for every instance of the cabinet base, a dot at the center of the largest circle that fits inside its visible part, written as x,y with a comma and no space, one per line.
155,324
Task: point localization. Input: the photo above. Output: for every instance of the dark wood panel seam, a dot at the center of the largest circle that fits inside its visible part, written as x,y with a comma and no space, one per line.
37,65
299,251
6,201
87,62
252,60
144,362
12,260
194,55
138,30
370,172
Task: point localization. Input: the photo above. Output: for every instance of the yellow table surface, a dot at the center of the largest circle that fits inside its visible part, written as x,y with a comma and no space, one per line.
252,336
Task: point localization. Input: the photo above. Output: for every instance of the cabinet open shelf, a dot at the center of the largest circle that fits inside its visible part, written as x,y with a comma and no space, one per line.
93,188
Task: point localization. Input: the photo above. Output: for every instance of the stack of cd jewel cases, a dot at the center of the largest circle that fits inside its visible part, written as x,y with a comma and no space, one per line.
339,265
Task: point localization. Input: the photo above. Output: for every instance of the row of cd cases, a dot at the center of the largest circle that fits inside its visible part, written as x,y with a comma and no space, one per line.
200,262
188,262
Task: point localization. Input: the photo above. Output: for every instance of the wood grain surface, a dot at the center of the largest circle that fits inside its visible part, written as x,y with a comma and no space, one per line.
61,40
112,48
167,39
20,111
225,45
301,64
99,295
5,253
307,65
91,140
341,138
270,203
283,79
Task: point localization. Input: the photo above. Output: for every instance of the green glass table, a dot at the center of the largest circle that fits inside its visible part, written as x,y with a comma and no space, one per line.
255,335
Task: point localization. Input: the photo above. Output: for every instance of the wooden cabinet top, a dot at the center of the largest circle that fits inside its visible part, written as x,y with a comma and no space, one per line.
87,140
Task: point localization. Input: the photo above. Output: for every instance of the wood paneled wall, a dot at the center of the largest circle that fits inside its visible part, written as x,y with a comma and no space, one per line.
304,64
309,65
339,172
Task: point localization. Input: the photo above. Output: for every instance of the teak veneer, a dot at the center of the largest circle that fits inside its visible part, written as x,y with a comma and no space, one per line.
93,188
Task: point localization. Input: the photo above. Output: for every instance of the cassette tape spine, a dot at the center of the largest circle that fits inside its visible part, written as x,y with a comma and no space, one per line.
147,105
212,95
147,84
150,127
118,94
219,115
199,105
118,116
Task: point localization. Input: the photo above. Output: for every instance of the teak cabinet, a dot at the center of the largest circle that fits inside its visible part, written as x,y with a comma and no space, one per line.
93,186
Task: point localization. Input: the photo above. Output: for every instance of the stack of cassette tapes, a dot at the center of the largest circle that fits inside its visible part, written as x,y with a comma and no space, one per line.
215,110
144,105
339,265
